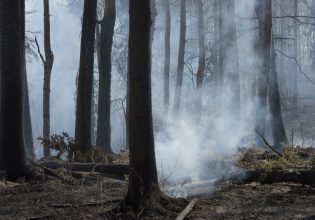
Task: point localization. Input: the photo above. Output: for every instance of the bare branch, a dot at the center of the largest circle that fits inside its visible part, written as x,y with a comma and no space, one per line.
38,50
299,66
268,145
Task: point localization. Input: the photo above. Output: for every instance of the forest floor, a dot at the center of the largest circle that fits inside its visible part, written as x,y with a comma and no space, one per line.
50,198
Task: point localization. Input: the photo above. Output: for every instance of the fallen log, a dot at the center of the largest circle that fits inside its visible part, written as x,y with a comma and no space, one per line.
301,176
117,171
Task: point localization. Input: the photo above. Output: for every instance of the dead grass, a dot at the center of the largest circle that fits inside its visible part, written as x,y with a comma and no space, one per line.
292,158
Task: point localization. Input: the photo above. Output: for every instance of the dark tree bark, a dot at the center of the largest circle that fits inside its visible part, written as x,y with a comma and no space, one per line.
48,64
27,126
167,36
105,68
93,113
265,26
12,151
181,57
143,174
277,127
85,81
202,59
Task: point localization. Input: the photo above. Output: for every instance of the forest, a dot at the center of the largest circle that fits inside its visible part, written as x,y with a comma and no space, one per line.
157,109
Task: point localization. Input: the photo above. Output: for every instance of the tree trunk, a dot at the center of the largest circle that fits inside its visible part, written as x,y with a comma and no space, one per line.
153,16
12,151
167,60
277,127
202,60
221,52
105,68
143,174
265,27
231,60
48,64
181,57
85,81
27,125
294,89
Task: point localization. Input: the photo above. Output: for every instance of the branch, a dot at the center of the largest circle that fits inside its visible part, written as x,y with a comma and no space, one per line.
297,63
38,50
268,145
187,210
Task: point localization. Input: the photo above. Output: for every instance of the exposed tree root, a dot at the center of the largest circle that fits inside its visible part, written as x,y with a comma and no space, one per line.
156,203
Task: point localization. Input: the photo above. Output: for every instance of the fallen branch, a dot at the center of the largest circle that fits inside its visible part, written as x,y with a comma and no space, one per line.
117,171
89,204
268,145
187,210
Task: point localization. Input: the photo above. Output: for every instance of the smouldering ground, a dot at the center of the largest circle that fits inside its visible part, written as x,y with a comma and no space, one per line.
52,199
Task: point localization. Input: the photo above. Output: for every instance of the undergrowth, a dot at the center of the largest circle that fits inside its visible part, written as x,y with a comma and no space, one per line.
66,147
292,158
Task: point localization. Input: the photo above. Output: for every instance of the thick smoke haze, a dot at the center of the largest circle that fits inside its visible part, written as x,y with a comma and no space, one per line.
183,146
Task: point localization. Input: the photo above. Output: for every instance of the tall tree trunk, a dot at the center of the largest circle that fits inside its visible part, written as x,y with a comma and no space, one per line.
85,81
93,112
167,36
215,54
143,174
94,104
202,60
265,27
231,59
105,68
12,151
28,131
48,64
277,127
294,89
153,16
27,125
221,52
181,57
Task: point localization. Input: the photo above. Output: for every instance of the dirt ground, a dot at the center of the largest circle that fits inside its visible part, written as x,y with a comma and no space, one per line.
88,197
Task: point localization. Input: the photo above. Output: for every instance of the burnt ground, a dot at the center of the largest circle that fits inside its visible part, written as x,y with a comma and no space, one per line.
86,199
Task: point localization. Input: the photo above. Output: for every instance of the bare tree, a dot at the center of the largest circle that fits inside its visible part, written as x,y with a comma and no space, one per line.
12,151
167,36
202,59
143,179
264,12
48,64
103,138
294,73
153,17
27,125
85,79
231,59
277,127
181,57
